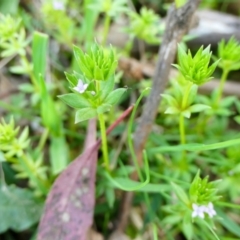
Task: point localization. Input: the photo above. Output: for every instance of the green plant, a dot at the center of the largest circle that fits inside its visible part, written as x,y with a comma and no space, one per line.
171,199
16,150
230,60
92,88
145,25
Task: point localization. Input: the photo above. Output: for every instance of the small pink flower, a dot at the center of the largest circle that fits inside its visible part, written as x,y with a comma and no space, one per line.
81,87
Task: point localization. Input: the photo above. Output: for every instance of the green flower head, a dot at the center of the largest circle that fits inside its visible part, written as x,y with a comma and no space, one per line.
8,27
196,69
10,143
98,63
8,132
145,25
202,191
230,54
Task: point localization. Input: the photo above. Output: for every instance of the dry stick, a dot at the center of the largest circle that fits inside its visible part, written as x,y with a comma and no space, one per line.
177,24
8,93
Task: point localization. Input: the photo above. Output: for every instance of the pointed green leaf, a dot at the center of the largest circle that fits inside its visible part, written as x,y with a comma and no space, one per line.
18,70
172,110
235,67
187,227
85,114
170,100
106,87
198,108
98,74
71,79
228,223
186,113
180,193
115,96
75,100
104,108
39,52
79,55
192,94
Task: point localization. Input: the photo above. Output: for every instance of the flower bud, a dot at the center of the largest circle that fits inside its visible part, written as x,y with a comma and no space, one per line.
196,69
98,63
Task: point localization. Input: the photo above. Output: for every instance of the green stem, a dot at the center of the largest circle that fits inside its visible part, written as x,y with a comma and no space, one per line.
181,117
103,132
182,125
43,139
186,95
182,129
183,140
132,151
155,231
2,177
129,131
106,29
104,141
30,72
222,83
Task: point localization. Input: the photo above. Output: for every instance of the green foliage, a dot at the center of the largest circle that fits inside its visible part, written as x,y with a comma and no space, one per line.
85,114
9,26
9,7
202,191
56,18
180,3
92,88
21,210
34,156
110,7
221,109
145,25
28,165
10,144
15,44
40,52
180,102
196,69
229,52
75,100
98,63
180,193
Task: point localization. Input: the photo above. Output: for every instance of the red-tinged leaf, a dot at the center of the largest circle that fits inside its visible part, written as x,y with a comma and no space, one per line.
70,204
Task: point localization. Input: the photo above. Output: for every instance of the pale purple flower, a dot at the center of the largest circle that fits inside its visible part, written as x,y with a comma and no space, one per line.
81,87
198,211
58,5
210,210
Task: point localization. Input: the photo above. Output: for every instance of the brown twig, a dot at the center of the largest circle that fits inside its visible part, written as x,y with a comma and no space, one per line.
8,93
177,24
